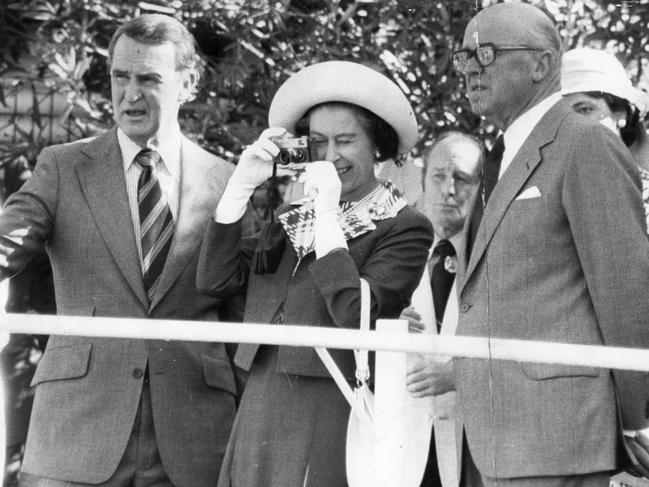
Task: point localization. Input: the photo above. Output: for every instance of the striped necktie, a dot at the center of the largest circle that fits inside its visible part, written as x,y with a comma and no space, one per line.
156,222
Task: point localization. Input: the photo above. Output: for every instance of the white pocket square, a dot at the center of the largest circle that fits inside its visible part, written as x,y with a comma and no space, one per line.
532,192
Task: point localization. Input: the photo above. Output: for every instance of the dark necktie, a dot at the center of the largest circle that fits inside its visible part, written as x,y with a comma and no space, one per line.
441,280
156,222
492,166
490,172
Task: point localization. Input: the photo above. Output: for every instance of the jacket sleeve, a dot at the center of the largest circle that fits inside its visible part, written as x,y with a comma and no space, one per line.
601,196
224,260
393,270
27,218
604,208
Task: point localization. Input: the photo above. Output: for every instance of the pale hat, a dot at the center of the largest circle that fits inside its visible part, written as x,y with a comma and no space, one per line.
584,69
348,82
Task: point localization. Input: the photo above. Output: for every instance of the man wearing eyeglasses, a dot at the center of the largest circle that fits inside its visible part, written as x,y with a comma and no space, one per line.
555,252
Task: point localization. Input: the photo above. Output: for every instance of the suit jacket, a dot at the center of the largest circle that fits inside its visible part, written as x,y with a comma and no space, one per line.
88,389
568,266
442,406
322,292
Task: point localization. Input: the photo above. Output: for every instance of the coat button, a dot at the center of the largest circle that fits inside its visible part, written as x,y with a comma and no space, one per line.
138,373
465,307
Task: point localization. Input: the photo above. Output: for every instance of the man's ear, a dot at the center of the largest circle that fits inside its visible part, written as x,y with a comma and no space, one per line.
544,65
189,80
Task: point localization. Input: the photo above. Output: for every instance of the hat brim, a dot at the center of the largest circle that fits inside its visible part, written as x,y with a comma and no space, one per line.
634,96
344,81
584,70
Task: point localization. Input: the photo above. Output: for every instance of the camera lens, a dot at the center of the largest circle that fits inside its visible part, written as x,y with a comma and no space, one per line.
284,157
299,156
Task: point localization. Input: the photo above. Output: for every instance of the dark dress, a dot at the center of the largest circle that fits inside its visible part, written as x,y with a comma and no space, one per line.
291,425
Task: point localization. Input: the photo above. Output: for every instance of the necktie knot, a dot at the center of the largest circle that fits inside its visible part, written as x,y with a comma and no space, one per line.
443,249
147,158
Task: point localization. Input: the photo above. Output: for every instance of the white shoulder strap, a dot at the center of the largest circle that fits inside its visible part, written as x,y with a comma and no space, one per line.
362,367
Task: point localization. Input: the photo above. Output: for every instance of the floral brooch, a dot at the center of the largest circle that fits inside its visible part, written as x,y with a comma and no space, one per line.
450,264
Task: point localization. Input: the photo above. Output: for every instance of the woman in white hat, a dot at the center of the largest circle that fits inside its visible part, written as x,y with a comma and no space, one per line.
596,85
291,424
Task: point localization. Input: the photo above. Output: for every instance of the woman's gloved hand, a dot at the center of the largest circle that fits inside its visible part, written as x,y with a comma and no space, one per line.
254,167
321,182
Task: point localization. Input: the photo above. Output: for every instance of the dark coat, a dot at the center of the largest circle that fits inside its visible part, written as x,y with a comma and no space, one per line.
322,292
291,425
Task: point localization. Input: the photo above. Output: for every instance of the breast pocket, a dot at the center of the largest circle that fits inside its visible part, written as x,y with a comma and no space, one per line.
527,204
525,221
63,363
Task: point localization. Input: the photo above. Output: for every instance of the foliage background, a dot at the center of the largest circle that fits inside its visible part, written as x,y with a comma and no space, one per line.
54,84
250,47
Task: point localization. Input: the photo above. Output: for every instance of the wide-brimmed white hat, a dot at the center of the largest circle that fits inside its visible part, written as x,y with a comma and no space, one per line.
585,69
348,82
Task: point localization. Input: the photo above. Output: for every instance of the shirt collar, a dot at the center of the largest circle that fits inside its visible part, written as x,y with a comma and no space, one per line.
169,150
522,127
455,241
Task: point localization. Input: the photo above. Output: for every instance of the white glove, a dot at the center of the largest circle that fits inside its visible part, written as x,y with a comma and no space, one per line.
322,183
255,166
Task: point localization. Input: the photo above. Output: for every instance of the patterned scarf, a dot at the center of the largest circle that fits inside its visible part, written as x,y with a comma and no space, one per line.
355,218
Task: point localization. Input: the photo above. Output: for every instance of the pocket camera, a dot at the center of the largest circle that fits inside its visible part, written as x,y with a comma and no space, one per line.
292,150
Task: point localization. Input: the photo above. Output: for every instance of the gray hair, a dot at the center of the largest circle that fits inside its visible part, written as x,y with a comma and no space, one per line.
455,135
156,29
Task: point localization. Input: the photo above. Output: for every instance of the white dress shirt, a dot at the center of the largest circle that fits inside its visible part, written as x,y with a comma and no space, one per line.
167,171
518,132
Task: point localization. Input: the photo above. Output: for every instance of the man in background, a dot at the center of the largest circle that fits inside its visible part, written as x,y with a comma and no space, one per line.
451,175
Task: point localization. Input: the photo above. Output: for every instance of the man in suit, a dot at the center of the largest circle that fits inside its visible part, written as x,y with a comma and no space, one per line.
556,251
451,175
121,216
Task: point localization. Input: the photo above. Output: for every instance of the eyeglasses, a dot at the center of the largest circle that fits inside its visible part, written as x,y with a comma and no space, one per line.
484,55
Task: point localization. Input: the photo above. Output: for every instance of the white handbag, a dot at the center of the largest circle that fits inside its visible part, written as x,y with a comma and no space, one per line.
362,429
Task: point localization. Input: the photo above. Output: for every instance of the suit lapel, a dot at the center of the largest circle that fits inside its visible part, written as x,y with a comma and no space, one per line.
103,185
511,182
198,198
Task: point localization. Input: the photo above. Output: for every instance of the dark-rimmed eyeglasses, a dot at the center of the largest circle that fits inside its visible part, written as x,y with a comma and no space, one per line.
484,54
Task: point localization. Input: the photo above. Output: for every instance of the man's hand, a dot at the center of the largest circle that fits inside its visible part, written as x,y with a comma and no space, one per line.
414,320
639,445
429,377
